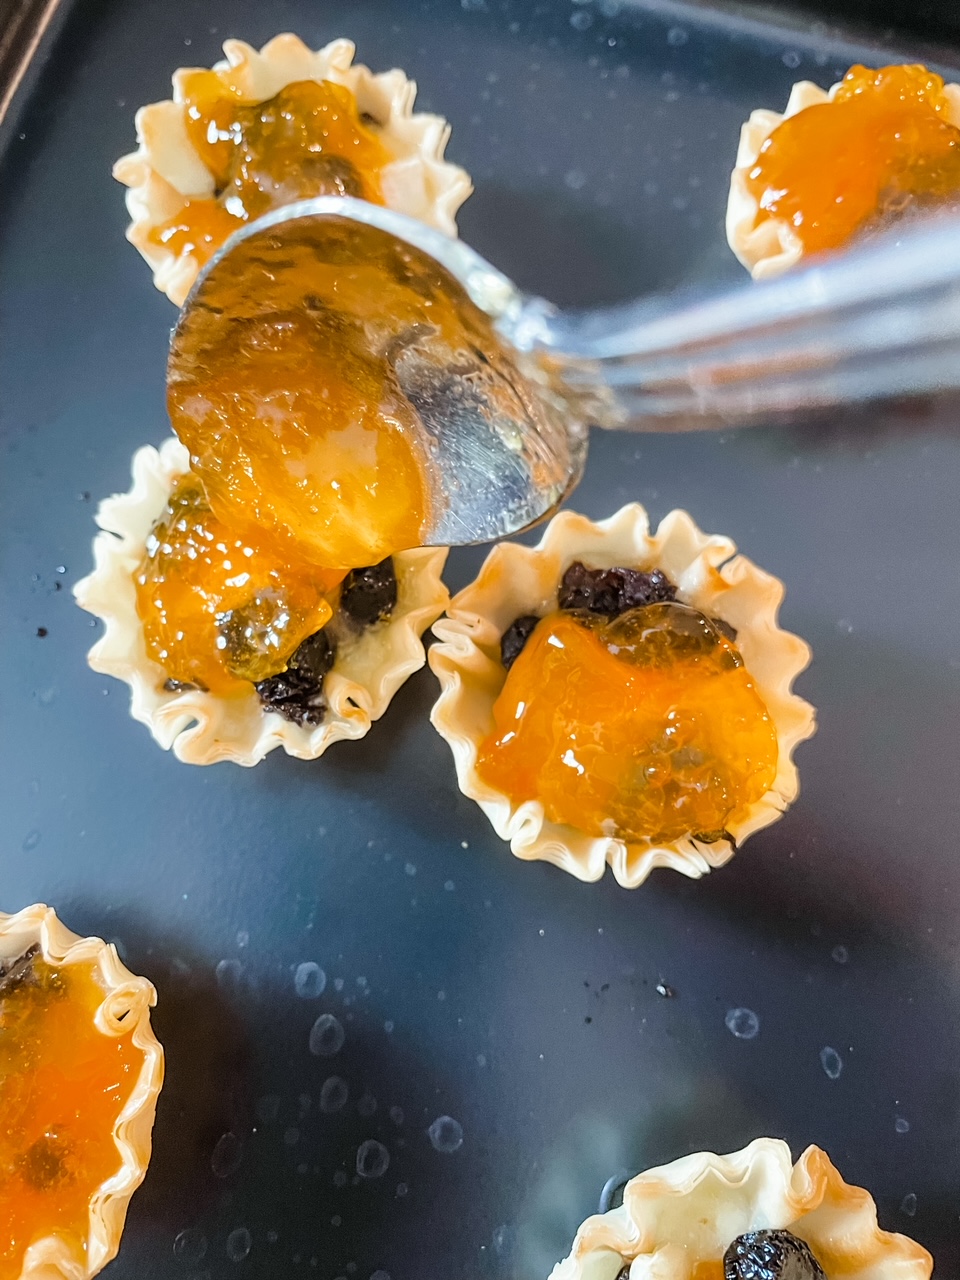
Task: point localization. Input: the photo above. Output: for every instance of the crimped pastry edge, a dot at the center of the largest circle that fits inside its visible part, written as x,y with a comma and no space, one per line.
52,1258
768,247
166,170
517,580
682,1214
203,728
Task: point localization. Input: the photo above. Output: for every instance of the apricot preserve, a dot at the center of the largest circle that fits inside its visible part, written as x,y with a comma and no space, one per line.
646,726
307,141
884,144
219,609
63,1085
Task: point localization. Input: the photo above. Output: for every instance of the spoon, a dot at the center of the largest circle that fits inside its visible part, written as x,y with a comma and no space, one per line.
505,387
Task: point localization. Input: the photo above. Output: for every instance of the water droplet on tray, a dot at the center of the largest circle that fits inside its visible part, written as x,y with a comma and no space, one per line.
742,1023
227,1155
446,1134
333,1095
840,954
239,1244
228,974
831,1062
909,1204
309,980
373,1159
901,1125
190,1245
326,1036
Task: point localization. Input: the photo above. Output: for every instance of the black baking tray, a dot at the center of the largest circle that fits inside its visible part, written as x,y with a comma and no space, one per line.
506,995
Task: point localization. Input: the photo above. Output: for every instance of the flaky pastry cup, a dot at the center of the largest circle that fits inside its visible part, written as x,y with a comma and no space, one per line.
517,580
165,171
681,1216
129,998
203,728
769,246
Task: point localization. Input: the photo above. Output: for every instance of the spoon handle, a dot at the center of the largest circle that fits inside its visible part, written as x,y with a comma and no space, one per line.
882,320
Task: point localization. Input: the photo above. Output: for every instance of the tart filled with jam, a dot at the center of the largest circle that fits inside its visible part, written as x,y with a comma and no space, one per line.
80,1071
612,696
265,129
233,644
837,165
753,1215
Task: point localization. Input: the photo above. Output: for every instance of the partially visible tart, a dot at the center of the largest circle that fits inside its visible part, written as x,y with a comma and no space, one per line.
349,648
753,1215
842,161
80,1071
264,129
612,696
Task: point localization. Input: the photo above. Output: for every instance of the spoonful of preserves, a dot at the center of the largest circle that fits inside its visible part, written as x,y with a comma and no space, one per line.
354,382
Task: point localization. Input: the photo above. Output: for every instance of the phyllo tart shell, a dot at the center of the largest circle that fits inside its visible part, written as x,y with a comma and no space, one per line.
679,1219
203,727
768,246
126,1005
165,171
516,580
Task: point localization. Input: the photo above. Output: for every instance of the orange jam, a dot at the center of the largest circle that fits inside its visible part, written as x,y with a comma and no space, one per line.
218,609
63,1083
883,144
647,727
307,141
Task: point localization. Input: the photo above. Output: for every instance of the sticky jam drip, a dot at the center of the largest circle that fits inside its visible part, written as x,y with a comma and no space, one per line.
307,141
63,1084
884,145
646,726
220,610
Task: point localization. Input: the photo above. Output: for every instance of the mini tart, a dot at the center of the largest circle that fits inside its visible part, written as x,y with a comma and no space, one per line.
769,246
683,1216
126,998
203,728
517,580
165,170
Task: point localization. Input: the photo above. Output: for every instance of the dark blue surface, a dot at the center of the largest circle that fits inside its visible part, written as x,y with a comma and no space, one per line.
506,995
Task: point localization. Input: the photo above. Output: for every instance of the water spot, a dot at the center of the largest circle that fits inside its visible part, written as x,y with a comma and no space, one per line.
190,1245
309,980
373,1159
333,1095
908,1204
402,1189
243,938
239,1244
791,59
30,841
268,1108
449,886
410,869
481,1059
441,996
291,1136
388,1027
367,1105
575,179
581,20
336,1220
338,984
677,36
340,1178
228,974
227,1155
272,1237
742,1023
445,1134
831,1062
380,1275
840,954
901,1125
326,1036
396,1115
